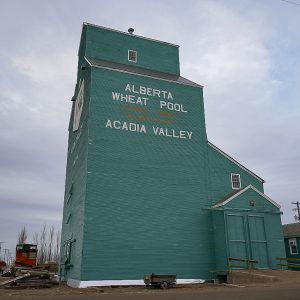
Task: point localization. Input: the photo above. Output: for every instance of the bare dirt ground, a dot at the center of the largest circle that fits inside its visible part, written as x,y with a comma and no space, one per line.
286,288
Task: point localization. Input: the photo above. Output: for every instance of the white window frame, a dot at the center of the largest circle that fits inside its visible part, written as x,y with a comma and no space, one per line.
293,241
78,106
239,176
67,251
69,218
135,52
70,194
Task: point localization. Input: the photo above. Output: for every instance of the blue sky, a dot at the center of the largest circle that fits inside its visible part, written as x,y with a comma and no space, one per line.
245,53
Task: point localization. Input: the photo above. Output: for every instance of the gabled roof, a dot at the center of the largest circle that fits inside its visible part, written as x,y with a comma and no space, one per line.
234,161
221,201
235,194
291,230
103,64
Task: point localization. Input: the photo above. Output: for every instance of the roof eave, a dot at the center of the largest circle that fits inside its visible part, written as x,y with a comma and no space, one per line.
190,83
244,190
134,35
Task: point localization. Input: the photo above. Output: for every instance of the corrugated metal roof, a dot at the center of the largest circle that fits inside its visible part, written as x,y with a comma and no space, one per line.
291,230
139,71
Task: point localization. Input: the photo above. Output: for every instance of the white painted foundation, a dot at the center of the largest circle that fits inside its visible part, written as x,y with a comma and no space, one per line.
84,284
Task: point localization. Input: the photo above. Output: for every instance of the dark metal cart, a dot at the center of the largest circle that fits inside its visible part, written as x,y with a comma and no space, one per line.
161,281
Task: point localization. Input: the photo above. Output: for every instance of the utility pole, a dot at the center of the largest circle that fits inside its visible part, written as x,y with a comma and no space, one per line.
297,209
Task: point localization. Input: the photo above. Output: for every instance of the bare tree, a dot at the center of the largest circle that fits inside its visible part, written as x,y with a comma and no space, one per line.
50,245
35,238
42,251
57,246
22,236
48,242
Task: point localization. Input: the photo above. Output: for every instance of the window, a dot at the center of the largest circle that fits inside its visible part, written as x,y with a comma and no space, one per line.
70,193
69,218
32,255
78,106
235,181
68,249
132,55
293,246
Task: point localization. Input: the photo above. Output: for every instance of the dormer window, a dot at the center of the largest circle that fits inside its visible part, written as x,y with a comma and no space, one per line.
132,56
235,181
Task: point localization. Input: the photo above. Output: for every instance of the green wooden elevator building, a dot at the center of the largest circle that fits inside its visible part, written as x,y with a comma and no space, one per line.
146,192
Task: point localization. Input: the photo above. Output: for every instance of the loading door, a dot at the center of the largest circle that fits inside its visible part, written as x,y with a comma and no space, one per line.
258,242
236,236
247,238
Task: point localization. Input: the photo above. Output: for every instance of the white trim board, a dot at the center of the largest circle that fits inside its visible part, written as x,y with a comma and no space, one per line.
244,190
234,161
89,283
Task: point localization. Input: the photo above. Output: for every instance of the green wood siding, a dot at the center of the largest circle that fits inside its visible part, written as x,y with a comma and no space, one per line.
260,203
220,169
145,193
287,247
252,232
153,55
220,241
141,202
75,189
274,238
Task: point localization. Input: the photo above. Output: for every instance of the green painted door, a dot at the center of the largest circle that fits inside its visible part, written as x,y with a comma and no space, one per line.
237,241
257,240
247,238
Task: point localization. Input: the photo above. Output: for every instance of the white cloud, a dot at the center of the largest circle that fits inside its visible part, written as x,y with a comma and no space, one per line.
229,54
10,101
245,112
47,67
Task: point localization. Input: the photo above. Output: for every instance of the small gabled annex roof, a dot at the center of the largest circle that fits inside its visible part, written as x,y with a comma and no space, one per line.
234,161
235,194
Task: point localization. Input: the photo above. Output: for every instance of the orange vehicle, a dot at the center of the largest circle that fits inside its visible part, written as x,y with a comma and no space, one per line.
26,255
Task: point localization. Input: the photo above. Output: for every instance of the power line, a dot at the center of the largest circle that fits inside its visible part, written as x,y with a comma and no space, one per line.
291,2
